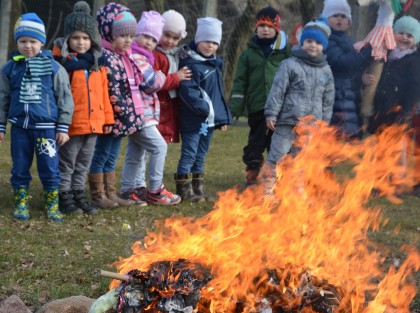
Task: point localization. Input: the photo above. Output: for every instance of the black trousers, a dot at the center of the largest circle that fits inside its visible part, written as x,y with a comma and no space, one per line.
259,141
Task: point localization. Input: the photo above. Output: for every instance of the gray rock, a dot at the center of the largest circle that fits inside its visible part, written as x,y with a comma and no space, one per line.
13,304
75,304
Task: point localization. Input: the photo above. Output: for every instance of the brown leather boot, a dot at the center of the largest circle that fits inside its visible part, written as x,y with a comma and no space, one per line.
184,189
97,192
111,190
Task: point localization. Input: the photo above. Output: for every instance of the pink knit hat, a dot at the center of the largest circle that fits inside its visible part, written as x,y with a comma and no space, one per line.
175,22
151,23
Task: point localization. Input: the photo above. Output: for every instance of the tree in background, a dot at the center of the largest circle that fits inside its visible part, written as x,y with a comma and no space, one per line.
237,15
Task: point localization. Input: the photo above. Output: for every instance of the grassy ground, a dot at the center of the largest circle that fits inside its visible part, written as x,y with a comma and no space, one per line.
41,261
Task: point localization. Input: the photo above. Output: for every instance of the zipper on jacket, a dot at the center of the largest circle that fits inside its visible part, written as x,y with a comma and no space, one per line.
88,90
48,105
26,121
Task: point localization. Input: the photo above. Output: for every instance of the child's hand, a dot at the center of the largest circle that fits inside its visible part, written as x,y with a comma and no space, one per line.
368,79
107,129
1,137
271,124
223,128
184,74
62,138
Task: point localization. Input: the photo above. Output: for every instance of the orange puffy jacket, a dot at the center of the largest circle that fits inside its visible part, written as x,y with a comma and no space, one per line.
92,108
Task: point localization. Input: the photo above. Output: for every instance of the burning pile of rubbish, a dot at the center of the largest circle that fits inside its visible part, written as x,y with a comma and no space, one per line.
303,249
175,287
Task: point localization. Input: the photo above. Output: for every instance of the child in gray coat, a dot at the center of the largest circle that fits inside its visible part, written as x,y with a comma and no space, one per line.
303,86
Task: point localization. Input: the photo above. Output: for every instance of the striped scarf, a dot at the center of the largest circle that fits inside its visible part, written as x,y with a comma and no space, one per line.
31,86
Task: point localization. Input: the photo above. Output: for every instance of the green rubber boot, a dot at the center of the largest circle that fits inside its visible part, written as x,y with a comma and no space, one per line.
21,203
51,205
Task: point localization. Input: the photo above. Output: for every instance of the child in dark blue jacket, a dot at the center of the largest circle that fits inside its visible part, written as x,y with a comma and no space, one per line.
202,106
345,63
35,98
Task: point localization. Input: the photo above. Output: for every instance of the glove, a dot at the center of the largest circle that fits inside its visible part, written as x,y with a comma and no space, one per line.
204,129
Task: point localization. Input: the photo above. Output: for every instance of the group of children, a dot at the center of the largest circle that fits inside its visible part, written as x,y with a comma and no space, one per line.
73,107
322,77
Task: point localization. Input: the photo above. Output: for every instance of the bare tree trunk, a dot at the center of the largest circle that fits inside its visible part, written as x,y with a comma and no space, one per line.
210,8
5,13
307,10
96,5
234,45
156,5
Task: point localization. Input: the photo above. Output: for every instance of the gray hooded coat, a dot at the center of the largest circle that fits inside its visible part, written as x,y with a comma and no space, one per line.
303,86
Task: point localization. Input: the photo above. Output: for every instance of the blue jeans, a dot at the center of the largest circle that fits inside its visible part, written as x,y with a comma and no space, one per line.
106,153
24,144
147,141
193,152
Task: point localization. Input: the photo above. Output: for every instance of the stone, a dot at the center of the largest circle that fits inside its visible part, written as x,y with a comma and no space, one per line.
75,304
13,304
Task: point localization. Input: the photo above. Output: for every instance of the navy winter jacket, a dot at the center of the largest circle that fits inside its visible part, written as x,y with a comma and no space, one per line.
202,98
56,108
346,65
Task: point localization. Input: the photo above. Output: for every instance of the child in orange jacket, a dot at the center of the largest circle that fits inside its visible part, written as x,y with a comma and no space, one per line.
79,53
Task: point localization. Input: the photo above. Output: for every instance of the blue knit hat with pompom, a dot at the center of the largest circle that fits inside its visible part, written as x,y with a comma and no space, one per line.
317,30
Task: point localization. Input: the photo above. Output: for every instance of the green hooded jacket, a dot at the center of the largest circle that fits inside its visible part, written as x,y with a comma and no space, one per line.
255,74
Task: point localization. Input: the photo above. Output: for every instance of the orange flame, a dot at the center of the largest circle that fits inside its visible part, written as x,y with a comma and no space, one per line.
315,221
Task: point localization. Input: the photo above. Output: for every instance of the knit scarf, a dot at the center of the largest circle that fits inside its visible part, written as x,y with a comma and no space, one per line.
31,86
132,75
148,54
173,64
317,61
79,61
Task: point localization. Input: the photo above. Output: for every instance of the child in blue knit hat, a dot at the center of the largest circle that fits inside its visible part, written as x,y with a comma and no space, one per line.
36,100
303,85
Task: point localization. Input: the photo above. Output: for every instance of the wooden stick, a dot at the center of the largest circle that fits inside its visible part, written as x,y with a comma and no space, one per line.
368,92
113,275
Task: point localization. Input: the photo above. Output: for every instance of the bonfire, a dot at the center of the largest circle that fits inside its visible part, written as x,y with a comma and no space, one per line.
304,248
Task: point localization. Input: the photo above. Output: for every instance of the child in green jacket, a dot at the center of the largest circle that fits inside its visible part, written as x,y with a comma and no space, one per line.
254,75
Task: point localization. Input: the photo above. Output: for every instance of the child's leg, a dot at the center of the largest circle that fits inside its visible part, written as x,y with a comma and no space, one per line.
133,164
83,160
48,172
197,169
22,146
103,148
110,176
86,147
189,148
22,150
259,140
67,160
141,172
153,142
202,149
281,143
157,148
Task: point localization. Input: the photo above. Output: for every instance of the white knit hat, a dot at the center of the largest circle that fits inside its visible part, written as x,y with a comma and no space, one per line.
175,22
208,29
332,7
